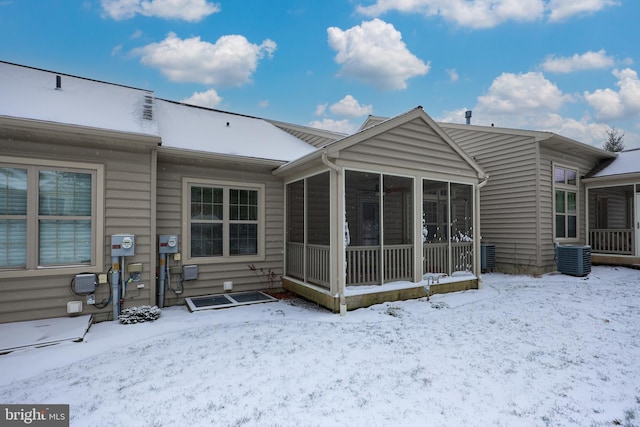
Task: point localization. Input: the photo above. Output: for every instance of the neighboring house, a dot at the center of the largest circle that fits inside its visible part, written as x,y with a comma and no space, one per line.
613,207
535,198
84,163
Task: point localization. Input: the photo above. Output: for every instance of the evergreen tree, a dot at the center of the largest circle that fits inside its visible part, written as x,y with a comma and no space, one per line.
614,142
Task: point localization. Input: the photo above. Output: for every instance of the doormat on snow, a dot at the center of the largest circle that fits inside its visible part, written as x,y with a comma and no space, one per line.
209,302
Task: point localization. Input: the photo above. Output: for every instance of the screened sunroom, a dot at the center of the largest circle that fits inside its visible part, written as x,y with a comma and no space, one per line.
361,230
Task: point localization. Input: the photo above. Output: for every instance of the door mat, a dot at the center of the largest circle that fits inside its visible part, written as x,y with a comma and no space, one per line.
209,302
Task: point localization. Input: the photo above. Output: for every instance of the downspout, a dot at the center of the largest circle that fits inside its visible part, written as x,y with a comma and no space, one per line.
341,296
478,266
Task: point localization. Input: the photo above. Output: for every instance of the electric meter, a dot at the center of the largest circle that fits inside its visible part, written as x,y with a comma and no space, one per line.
123,245
168,243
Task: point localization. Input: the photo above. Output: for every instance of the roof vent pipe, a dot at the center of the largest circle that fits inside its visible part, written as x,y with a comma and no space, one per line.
467,115
58,82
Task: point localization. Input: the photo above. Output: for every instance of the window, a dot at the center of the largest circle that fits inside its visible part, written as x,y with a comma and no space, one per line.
47,216
224,220
566,203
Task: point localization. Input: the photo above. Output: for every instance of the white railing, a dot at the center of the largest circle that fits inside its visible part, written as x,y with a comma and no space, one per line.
362,265
363,262
318,267
295,260
612,241
436,257
398,262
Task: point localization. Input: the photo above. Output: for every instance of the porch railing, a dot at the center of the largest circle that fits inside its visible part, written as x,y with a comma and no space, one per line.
363,262
436,257
612,241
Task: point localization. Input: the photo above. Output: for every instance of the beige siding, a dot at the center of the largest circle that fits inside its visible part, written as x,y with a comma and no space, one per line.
508,203
127,209
211,276
413,145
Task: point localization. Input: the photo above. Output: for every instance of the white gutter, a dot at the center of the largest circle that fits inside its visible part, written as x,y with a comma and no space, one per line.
341,296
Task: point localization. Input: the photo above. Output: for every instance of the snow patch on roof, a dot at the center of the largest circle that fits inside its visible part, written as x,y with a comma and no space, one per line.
31,93
627,162
211,131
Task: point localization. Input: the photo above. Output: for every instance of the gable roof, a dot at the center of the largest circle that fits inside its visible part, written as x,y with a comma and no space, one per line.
204,130
31,93
381,127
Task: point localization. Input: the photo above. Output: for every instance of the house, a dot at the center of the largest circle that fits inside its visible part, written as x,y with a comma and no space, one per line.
536,198
111,198
613,210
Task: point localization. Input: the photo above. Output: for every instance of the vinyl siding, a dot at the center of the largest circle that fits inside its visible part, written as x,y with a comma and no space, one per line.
508,203
127,209
169,221
412,145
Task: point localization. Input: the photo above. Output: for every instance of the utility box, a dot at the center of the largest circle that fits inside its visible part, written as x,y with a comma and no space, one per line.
85,283
574,260
168,243
487,257
190,272
123,245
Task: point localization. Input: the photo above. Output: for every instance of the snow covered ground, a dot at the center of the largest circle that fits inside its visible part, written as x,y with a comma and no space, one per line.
521,351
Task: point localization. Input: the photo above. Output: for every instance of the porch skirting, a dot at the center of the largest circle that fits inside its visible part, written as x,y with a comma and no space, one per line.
365,299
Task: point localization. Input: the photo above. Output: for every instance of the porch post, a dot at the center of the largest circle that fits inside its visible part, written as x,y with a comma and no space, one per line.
418,246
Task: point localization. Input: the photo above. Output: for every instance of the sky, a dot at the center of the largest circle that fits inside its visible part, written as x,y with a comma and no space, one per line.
552,350
565,66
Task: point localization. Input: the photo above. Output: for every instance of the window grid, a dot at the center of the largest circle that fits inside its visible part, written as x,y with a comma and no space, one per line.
229,227
566,202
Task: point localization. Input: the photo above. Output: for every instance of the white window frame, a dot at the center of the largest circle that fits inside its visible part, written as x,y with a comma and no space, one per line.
33,168
567,188
226,258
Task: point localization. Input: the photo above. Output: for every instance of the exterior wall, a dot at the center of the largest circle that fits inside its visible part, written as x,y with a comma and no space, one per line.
127,209
171,172
508,202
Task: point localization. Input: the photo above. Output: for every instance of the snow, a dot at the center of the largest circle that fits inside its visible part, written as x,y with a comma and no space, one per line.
521,351
198,129
31,94
626,162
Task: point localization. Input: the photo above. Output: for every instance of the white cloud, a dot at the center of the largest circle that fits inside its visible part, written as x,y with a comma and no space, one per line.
517,93
489,13
342,126
453,75
230,61
320,109
209,99
625,103
350,107
136,35
560,10
264,103
374,53
187,10
116,50
588,60
465,13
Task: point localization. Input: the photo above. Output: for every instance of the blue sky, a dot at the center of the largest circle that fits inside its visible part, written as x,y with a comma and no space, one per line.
568,66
